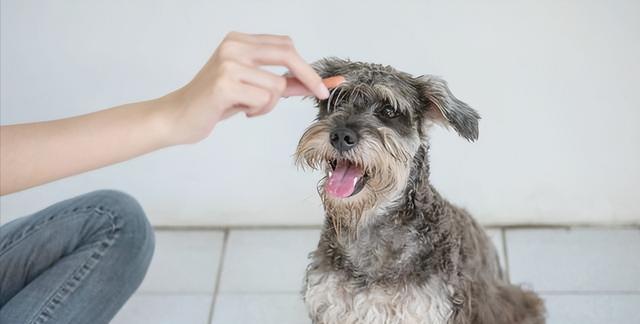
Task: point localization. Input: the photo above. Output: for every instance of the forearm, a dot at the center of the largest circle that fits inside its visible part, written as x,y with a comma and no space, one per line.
37,153
231,81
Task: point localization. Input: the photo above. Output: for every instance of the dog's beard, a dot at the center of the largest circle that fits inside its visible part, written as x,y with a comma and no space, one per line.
381,159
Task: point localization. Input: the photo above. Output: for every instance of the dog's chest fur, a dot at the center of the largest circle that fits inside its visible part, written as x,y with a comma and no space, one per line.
395,270
333,299
376,278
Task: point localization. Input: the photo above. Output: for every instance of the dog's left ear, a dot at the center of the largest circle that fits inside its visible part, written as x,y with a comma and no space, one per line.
446,109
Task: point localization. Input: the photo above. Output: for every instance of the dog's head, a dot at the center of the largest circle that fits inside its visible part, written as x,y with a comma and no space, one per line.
369,129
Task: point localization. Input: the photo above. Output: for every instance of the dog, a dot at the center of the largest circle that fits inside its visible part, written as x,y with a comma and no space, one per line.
392,250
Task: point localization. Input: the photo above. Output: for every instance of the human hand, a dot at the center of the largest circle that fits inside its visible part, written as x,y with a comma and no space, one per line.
232,81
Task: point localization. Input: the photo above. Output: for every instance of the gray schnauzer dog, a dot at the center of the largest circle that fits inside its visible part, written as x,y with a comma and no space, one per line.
392,250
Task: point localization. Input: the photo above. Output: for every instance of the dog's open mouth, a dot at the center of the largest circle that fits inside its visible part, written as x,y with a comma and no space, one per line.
345,179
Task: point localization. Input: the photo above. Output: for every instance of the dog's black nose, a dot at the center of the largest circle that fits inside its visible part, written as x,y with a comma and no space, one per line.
343,139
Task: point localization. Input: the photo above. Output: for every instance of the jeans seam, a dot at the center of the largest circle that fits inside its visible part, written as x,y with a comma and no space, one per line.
57,217
73,281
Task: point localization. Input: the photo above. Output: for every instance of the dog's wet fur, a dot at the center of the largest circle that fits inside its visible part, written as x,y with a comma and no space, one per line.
395,251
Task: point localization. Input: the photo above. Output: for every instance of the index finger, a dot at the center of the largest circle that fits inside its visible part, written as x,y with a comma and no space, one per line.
288,57
307,76
296,88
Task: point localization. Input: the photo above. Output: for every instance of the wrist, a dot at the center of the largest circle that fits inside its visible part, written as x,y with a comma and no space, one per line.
178,122
162,114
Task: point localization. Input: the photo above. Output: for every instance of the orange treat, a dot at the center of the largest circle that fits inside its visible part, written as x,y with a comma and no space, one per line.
333,81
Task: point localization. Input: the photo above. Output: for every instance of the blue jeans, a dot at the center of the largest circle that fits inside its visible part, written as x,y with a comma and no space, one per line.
77,261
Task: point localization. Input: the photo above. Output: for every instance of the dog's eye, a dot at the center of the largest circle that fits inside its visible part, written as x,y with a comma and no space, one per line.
388,112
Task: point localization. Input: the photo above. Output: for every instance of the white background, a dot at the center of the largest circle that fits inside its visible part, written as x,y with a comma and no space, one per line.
557,84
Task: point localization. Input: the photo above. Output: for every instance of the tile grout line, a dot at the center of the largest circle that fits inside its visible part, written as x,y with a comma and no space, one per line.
216,290
503,236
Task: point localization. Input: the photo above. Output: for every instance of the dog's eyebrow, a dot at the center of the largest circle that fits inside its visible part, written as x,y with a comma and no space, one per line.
394,100
336,95
350,91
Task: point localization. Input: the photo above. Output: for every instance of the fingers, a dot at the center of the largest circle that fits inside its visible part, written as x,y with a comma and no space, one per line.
268,81
260,38
251,90
258,50
232,111
263,79
251,99
296,88
288,57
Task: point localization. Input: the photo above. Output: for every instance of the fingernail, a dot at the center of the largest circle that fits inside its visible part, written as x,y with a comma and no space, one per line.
324,92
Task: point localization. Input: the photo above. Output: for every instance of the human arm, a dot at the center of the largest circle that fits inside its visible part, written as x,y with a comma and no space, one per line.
230,82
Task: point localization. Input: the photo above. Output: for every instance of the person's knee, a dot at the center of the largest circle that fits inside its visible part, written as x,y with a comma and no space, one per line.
115,202
136,237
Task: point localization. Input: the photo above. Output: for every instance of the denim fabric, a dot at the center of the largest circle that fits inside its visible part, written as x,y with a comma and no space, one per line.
77,261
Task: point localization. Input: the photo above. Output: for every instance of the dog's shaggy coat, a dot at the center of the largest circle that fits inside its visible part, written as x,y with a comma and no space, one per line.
396,251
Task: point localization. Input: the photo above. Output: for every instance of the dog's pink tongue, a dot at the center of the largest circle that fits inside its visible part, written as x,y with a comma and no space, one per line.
342,181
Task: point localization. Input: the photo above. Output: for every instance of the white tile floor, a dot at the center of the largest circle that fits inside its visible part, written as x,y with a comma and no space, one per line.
254,275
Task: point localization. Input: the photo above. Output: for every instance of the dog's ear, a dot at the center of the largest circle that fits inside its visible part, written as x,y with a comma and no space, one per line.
330,66
446,109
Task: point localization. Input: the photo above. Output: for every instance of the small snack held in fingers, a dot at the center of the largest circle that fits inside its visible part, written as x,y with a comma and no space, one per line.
333,81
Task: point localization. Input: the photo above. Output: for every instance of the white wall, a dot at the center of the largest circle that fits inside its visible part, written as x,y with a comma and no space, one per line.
557,84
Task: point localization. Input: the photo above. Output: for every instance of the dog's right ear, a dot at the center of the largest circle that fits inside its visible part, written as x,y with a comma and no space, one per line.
446,109
330,66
